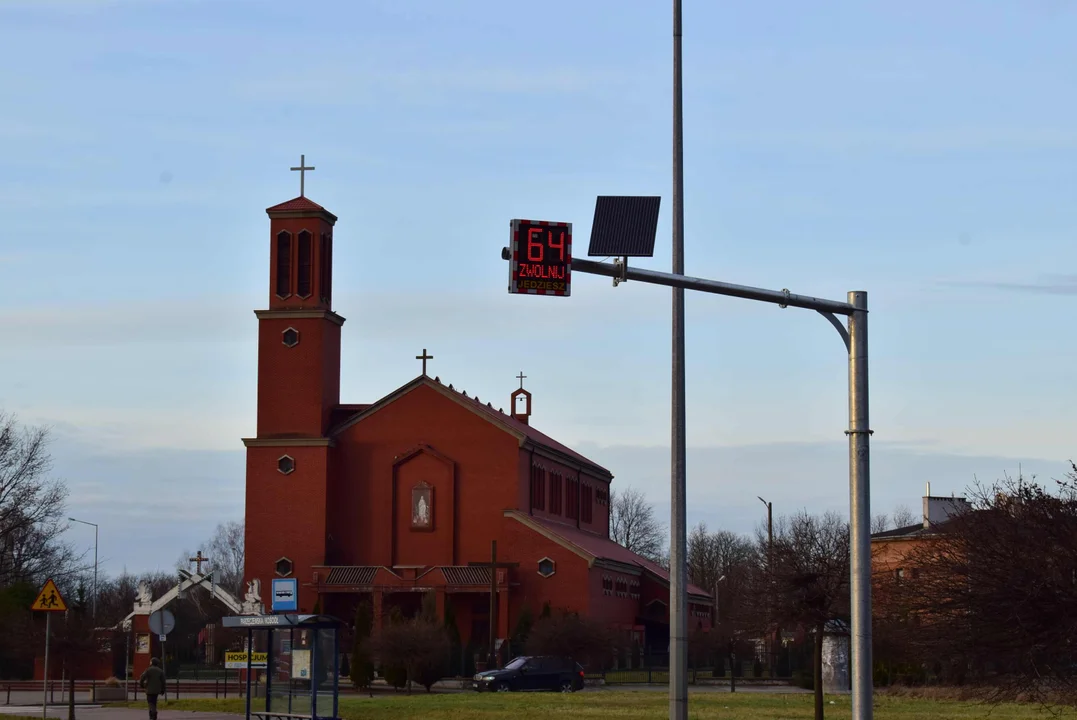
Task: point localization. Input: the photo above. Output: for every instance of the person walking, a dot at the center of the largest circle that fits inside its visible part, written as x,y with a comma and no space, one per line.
153,682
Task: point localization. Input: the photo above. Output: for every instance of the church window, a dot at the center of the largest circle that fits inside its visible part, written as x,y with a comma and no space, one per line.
302,288
284,567
556,495
586,511
572,499
284,264
325,269
607,585
538,487
286,464
290,337
546,567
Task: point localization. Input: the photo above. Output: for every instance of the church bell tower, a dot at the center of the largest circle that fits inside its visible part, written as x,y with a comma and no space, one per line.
299,335
298,388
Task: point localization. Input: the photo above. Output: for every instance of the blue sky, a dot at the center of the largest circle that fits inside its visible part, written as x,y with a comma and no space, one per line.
923,152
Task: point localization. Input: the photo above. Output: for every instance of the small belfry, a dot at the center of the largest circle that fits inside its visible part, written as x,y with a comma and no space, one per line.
301,258
521,401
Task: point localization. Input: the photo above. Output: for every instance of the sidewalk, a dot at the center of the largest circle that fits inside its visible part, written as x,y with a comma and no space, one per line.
96,712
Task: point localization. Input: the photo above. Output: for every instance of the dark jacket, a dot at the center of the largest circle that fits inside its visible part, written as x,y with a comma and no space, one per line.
153,680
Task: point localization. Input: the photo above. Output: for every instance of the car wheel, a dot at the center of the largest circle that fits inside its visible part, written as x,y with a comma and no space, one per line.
566,686
502,688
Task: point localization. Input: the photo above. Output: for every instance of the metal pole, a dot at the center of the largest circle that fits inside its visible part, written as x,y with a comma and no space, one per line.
95,530
860,508
491,665
45,695
678,575
95,576
769,641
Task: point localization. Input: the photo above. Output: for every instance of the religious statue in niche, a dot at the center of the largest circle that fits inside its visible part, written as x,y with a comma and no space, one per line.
422,507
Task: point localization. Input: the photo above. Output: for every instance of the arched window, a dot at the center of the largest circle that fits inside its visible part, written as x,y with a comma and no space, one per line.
302,288
284,263
325,270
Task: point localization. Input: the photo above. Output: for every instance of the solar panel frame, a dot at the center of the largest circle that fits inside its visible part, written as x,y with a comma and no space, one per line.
624,226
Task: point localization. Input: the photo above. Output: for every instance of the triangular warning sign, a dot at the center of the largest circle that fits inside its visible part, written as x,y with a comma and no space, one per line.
49,599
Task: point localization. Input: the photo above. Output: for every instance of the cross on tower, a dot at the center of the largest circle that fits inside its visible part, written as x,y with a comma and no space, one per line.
198,559
424,357
521,377
302,173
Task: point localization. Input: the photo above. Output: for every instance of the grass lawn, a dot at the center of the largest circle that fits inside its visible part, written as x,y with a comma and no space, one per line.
630,705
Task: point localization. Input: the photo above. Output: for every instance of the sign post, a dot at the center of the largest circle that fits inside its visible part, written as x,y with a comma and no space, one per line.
162,622
49,601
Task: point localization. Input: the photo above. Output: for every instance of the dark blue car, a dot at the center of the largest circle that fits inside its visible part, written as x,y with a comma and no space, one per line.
533,672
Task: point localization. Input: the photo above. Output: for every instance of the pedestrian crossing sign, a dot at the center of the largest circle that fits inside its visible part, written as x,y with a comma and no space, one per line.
49,599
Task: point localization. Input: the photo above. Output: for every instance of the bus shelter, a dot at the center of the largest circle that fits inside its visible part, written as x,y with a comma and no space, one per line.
299,658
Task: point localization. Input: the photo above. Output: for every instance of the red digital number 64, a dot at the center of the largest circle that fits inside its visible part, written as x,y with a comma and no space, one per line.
535,250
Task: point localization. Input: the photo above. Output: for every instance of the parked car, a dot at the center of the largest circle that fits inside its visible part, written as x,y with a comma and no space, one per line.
531,672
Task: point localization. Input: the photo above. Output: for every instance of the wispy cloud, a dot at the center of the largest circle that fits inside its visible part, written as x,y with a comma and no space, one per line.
1045,285
907,140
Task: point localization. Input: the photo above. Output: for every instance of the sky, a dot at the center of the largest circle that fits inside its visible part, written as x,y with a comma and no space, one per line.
923,152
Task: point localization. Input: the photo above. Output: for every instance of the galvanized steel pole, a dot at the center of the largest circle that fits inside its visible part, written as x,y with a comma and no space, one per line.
678,575
860,508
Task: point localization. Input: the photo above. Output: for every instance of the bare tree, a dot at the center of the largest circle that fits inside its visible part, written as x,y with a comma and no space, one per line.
225,551
31,508
809,574
588,641
722,561
903,516
991,594
880,523
633,524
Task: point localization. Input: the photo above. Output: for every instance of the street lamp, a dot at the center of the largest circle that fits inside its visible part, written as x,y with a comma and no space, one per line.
770,583
94,525
716,598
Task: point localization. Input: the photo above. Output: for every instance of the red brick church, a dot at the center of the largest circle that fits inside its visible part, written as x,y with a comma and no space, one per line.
400,496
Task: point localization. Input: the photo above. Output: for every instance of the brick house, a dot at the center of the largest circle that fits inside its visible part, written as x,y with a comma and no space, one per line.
399,497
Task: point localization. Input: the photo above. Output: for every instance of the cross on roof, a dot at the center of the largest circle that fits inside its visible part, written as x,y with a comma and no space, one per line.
302,173
521,377
198,559
424,357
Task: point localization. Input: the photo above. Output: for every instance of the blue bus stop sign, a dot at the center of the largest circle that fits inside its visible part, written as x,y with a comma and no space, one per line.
285,595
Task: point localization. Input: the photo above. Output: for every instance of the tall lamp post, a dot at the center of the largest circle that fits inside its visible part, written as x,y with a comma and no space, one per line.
94,525
770,589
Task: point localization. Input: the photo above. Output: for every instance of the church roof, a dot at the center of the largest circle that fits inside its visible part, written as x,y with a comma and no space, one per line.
487,411
595,547
300,203
301,206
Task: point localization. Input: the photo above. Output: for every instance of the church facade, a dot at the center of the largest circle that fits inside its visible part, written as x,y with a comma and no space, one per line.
406,495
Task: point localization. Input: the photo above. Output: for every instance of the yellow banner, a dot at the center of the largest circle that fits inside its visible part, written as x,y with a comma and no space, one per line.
238,660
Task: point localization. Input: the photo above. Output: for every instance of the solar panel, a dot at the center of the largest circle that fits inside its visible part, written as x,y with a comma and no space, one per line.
624,226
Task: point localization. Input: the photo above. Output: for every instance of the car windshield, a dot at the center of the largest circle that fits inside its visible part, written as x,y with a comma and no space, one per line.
516,663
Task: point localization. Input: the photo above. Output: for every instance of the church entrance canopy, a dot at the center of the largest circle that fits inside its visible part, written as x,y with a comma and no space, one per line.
299,657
